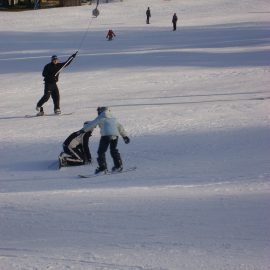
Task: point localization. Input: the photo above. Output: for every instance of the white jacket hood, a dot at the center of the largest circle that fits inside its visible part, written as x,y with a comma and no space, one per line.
108,124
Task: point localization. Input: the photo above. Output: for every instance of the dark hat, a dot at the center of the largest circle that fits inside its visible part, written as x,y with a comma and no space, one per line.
102,109
54,57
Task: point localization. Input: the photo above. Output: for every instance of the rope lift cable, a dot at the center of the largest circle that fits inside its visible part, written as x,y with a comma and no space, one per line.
95,13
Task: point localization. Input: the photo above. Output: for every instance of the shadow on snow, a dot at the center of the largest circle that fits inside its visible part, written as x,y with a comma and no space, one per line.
29,52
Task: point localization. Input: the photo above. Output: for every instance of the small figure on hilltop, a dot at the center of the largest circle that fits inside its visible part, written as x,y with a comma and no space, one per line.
148,15
110,35
174,21
51,73
110,130
76,149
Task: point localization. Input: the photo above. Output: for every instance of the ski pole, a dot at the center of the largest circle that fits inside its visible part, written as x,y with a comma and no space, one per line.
67,62
82,41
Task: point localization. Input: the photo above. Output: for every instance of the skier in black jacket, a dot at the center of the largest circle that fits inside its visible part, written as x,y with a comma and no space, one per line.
51,74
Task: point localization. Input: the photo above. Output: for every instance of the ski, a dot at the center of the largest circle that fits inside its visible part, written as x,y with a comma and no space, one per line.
107,173
51,114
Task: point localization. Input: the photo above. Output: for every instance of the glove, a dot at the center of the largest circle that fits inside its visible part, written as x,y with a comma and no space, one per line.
74,54
126,139
81,131
89,132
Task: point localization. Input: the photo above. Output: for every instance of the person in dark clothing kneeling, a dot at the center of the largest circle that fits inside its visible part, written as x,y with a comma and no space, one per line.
76,149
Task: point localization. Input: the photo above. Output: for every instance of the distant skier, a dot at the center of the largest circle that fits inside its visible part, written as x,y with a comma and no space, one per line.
110,130
51,74
174,21
110,35
76,149
148,15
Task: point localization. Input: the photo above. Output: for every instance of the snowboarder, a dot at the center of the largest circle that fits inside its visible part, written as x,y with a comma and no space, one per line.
110,35
148,15
51,74
76,149
174,21
110,130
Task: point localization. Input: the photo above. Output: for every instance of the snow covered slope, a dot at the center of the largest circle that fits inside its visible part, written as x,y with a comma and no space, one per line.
196,103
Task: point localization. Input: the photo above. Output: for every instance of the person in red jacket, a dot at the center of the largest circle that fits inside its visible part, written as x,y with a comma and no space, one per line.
110,35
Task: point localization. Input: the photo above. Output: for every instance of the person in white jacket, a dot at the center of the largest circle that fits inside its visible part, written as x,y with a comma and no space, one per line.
110,130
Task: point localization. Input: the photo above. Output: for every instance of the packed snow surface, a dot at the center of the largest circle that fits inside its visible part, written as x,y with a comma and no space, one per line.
196,105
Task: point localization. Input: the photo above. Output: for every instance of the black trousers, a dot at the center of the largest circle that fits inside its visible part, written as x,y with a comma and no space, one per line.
76,155
174,26
50,89
104,143
85,148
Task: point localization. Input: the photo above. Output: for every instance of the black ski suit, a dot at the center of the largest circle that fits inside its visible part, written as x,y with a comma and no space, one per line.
174,21
148,15
76,148
51,88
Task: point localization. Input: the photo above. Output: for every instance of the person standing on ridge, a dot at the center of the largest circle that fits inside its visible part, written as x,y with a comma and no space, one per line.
148,15
51,73
174,21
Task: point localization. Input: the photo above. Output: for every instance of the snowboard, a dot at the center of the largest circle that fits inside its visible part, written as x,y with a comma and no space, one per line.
46,114
130,169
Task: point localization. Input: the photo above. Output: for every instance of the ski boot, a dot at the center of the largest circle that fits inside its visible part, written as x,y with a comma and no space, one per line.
118,165
100,170
62,162
57,111
40,114
117,169
63,159
40,111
